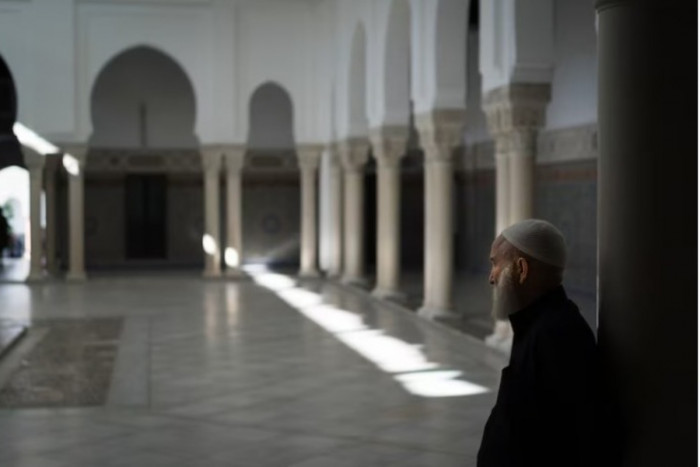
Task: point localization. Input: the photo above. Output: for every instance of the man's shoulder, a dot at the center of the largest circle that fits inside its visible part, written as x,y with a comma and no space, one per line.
563,322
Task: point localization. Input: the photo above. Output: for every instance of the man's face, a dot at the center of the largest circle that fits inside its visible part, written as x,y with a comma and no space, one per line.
505,299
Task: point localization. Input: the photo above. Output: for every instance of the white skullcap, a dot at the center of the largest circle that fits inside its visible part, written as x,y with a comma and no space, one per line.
539,239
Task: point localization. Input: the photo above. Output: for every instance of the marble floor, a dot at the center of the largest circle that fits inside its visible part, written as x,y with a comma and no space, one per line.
263,372
471,299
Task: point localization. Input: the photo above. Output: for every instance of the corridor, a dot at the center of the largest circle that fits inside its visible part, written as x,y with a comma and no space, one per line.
237,374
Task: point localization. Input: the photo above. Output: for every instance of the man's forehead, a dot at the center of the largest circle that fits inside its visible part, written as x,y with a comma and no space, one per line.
496,244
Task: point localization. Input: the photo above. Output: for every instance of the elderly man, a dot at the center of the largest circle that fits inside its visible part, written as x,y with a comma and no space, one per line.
543,413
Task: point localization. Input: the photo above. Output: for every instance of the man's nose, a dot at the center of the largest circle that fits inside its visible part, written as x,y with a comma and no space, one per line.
492,280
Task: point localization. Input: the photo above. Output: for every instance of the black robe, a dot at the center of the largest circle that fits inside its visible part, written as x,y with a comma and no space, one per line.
544,411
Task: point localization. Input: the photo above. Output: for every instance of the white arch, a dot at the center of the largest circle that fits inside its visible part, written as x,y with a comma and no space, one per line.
193,63
450,54
397,65
357,84
175,74
300,124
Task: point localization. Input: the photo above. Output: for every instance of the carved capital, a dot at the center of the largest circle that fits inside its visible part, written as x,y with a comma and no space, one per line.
354,153
389,145
234,157
516,107
517,142
212,157
78,152
441,131
309,156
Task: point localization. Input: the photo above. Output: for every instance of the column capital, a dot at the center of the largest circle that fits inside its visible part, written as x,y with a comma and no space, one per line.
234,157
33,160
354,153
212,158
440,130
78,151
518,141
389,144
309,155
519,106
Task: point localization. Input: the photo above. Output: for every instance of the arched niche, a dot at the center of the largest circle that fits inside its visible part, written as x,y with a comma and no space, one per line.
143,98
10,152
271,200
271,117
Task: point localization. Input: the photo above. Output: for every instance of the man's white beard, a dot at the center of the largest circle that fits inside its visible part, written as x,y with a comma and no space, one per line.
505,300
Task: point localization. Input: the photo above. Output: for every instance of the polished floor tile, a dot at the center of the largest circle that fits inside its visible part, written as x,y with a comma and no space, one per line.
236,373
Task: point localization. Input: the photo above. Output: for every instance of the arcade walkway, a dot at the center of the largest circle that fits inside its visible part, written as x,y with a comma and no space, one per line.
174,370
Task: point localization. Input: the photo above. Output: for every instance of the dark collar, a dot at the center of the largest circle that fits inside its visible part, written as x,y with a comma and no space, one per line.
523,319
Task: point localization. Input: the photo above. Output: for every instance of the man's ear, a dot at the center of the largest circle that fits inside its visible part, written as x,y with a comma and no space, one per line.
523,270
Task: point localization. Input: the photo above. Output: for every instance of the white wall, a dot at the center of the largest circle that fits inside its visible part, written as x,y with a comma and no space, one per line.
516,42
575,86
15,46
275,42
184,32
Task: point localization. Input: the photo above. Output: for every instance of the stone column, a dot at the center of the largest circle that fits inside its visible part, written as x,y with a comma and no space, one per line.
515,114
647,229
388,147
234,158
354,156
336,170
35,164
51,168
309,158
74,160
211,241
441,131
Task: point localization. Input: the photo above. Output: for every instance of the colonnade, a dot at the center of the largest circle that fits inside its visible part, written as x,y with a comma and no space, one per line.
515,114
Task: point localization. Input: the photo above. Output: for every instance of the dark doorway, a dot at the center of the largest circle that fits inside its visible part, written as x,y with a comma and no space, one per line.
146,216
370,218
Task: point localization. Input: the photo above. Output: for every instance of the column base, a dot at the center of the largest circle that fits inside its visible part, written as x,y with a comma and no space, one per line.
335,275
355,281
211,274
386,294
235,273
34,277
76,277
310,274
434,312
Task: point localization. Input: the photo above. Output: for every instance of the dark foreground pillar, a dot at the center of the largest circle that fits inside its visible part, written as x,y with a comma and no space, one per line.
647,309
